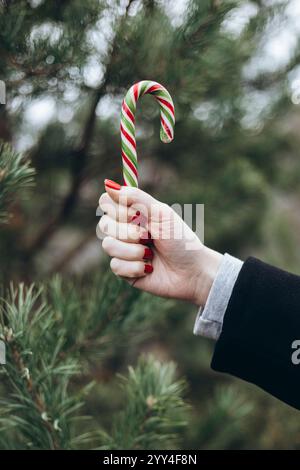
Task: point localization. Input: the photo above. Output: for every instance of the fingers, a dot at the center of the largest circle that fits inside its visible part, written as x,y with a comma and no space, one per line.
129,258
130,233
126,251
127,204
115,211
129,269
129,196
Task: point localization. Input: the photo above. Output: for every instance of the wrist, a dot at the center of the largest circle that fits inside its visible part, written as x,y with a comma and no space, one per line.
208,265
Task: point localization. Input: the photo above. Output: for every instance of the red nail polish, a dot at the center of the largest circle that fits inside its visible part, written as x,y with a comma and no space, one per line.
146,239
148,268
135,219
148,253
135,216
138,219
112,185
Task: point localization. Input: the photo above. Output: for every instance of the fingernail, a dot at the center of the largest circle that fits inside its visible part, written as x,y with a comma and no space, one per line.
112,185
146,239
135,218
148,253
138,219
148,268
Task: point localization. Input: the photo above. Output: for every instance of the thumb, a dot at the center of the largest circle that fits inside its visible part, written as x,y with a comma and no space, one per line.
128,196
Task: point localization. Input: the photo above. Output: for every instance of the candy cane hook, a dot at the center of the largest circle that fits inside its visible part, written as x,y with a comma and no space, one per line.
128,141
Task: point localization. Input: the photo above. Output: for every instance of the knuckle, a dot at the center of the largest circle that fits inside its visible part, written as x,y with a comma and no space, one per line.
133,193
103,223
114,265
107,244
134,231
103,199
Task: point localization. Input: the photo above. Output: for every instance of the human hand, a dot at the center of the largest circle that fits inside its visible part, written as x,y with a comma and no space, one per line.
171,263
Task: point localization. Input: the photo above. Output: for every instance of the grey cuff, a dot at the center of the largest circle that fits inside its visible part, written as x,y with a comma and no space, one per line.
209,320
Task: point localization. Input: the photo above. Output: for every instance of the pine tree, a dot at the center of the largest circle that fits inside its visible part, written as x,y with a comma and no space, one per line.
227,153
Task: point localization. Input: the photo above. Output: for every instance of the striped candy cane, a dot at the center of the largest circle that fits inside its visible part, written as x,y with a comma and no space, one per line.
167,120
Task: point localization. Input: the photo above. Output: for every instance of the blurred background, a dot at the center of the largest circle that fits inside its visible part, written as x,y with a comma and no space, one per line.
233,70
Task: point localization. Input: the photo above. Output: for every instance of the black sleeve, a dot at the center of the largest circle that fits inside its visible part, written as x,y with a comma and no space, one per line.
261,322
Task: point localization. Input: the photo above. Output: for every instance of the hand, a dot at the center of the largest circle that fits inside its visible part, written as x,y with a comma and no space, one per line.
165,263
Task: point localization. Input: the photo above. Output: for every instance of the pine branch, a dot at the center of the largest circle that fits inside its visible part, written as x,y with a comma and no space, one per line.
113,311
202,22
50,332
39,405
222,422
15,174
154,409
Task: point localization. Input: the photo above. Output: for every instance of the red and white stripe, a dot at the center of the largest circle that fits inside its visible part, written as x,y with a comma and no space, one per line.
167,119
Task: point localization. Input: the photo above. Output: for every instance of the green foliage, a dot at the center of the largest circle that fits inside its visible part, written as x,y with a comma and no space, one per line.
223,423
154,410
50,52
43,41
235,150
50,334
15,174
38,406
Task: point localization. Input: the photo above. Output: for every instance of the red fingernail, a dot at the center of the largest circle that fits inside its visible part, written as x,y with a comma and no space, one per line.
146,239
135,218
148,268
138,219
148,253
112,185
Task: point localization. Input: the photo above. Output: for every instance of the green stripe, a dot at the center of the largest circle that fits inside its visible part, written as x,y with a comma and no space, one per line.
128,124
129,154
129,103
169,116
129,177
164,137
143,87
163,94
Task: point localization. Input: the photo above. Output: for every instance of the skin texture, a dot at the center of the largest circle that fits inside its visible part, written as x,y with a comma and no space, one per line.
183,268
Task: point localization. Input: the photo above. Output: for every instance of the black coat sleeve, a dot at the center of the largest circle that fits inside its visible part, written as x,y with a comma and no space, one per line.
261,322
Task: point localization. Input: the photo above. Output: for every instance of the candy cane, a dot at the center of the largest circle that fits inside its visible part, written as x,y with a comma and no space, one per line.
167,121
